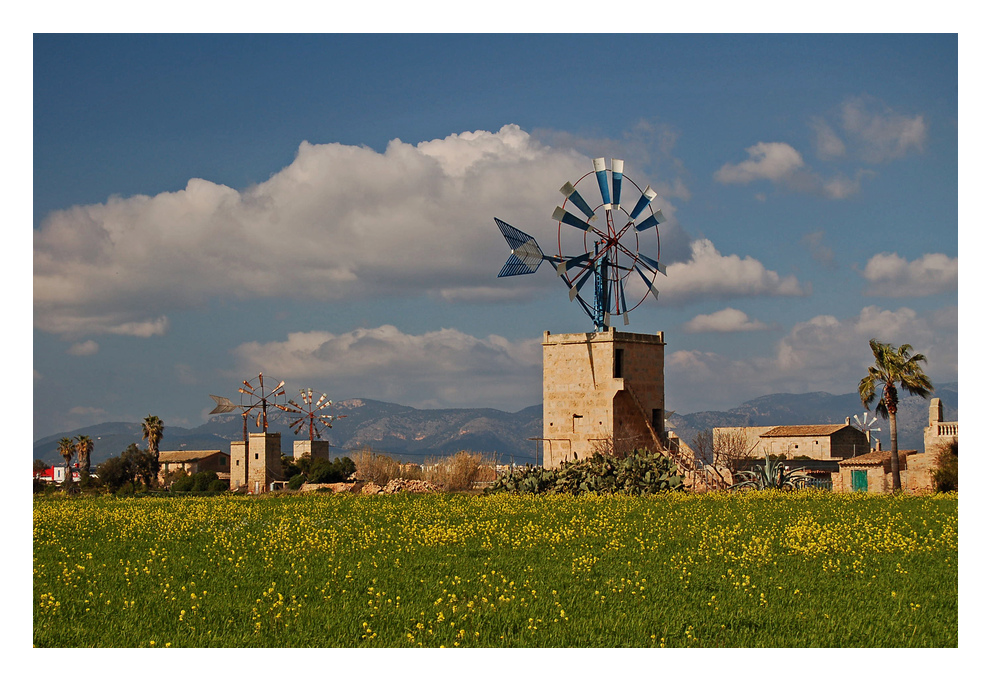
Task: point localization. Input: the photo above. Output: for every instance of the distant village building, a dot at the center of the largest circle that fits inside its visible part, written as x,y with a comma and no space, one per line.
821,442
194,462
56,474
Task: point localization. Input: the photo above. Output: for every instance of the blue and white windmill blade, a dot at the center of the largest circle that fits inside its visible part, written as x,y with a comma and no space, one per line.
573,292
622,302
617,180
654,220
599,165
657,266
561,215
644,201
571,194
650,284
565,265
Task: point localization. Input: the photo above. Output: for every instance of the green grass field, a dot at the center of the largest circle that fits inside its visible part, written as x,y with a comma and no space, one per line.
805,569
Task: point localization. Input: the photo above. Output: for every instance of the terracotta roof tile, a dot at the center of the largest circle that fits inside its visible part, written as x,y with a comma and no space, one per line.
185,456
874,458
799,431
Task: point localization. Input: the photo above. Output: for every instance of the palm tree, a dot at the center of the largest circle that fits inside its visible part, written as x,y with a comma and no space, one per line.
152,430
67,448
84,447
893,368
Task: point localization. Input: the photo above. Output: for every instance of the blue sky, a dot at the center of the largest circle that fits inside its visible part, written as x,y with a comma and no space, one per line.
319,208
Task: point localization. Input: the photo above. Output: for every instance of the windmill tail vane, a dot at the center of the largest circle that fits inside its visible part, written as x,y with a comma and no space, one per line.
613,251
224,405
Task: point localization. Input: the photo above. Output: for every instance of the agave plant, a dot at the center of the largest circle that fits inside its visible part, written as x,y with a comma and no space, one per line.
772,475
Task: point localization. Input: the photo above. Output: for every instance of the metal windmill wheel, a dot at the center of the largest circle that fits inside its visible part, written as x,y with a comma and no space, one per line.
258,398
616,245
608,244
310,413
864,426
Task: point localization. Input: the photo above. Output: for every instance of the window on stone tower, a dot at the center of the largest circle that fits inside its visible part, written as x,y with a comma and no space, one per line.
617,369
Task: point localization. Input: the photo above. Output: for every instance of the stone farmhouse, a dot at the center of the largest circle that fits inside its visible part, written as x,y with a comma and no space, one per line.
821,442
194,462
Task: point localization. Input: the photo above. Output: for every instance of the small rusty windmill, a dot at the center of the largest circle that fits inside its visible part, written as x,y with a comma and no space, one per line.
254,397
310,413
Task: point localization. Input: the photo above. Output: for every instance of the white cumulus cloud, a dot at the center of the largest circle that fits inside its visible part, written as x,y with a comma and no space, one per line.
84,349
822,353
339,221
727,320
891,275
768,161
444,368
782,165
878,132
710,275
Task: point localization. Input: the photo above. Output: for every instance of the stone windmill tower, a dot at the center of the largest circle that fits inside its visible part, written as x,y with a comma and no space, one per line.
603,390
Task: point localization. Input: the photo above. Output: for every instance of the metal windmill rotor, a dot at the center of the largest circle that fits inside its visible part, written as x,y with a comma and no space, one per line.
310,413
255,397
615,246
865,427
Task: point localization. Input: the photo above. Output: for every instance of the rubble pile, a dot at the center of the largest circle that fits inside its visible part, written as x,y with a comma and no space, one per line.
392,487
404,485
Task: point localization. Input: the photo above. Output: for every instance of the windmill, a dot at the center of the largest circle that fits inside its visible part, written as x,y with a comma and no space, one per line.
310,413
865,427
613,245
254,397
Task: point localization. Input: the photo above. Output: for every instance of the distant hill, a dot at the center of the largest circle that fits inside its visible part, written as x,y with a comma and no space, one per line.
410,434
417,434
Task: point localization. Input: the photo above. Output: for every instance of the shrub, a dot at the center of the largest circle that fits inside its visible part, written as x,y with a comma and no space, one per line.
338,470
377,468
290,467
217,485
459,472
116,471
183,483
203,479
945,474
296,481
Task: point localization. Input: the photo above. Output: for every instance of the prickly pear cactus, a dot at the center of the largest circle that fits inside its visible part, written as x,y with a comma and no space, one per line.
639,472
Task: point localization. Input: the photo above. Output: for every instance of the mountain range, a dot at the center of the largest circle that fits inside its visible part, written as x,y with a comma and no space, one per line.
416,435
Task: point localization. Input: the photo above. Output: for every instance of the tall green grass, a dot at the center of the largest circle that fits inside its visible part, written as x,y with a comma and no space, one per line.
758,569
